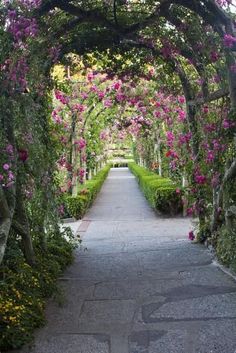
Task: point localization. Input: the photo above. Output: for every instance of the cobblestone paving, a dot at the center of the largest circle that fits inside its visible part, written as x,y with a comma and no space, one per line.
138,286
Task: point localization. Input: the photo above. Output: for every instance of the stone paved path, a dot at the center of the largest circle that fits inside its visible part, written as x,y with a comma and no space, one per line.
139,287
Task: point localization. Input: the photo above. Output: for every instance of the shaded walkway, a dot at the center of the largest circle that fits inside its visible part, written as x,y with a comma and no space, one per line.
137,285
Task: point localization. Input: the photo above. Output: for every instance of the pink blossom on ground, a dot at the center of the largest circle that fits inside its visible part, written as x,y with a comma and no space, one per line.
190,211
191,236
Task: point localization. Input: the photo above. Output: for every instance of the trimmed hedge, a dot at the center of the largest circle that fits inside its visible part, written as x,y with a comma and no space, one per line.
160,192
76,206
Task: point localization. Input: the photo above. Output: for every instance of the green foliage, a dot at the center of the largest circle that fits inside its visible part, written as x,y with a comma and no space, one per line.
226,248
76,206
24,288
160,192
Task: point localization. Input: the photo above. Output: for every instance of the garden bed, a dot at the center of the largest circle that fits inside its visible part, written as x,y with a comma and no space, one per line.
24,288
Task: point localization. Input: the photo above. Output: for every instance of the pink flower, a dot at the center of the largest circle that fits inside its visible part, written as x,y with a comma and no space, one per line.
90,77
181,99
205,109
79,107
81,175
61,210
120,97
6,166
84,95
226,124
214,56
200,179
170,138
182,115
190,211
210,157
23,155
116,86
81,143
229,40
62,161
101,94
157,114
103,135
107,103
9,149
10,176
178,191
61,97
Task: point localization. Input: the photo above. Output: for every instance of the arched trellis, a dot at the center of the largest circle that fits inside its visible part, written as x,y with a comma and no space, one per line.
117,33
104,26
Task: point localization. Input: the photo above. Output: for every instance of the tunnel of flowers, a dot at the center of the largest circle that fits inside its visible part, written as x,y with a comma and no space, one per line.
152,83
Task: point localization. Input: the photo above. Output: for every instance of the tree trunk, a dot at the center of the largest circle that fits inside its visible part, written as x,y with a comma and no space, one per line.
7,194
5,223
21,226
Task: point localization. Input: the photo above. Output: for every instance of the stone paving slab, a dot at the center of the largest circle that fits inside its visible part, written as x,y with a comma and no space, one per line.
157,341
73,343
138,286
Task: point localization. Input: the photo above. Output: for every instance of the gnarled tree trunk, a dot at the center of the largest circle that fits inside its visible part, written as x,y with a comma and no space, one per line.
6,214
21,225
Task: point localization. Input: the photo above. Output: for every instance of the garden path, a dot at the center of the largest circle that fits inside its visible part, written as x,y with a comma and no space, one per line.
138,286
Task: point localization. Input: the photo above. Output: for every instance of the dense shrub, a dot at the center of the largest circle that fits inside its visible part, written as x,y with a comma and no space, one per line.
162,193
24,288
76,206
226,248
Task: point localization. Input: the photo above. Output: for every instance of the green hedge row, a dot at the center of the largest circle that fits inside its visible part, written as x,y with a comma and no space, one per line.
76,206
162,193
